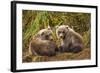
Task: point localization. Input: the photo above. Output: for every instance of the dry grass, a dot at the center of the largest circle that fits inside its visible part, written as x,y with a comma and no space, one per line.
85,54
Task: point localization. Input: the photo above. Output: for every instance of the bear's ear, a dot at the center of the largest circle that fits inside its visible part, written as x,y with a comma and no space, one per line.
67,27
49,28
37,35
56,26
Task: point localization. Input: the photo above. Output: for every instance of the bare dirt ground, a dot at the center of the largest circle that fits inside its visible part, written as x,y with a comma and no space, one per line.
84,54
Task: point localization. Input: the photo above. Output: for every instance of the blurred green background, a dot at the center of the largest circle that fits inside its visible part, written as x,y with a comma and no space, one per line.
33,21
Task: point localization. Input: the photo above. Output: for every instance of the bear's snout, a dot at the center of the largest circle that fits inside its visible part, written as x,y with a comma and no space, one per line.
61,36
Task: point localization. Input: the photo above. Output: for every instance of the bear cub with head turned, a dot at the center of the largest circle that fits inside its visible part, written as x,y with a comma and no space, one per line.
42,43
71,41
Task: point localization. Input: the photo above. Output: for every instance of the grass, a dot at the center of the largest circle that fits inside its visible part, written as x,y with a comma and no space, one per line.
33,21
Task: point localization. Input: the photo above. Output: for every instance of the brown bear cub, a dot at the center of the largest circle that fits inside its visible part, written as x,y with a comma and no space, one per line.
71,41
42,43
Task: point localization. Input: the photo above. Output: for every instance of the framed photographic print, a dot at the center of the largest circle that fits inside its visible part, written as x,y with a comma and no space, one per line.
48,36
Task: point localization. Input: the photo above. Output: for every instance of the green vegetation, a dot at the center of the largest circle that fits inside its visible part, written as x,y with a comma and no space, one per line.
33,21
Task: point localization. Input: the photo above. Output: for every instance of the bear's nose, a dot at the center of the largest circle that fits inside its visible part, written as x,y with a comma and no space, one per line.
61,36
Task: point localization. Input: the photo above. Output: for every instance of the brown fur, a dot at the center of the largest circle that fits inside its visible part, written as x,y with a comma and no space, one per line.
41,45
71,41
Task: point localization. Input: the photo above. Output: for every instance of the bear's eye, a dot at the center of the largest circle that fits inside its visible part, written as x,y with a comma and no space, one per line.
59,32
42,33
63,31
